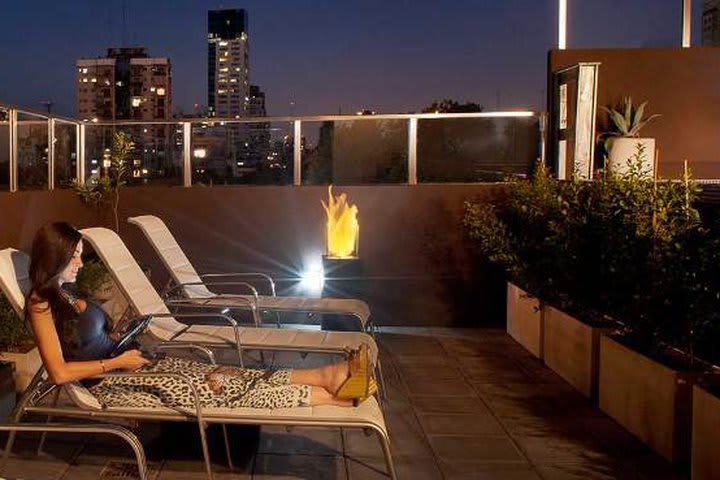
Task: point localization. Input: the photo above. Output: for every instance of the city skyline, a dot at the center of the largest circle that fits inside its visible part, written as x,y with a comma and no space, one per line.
323,58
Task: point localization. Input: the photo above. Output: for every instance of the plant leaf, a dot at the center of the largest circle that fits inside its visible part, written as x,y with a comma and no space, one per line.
628,113
619,121
639,114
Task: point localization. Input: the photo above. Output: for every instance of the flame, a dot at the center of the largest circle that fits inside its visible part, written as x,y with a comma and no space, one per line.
342,226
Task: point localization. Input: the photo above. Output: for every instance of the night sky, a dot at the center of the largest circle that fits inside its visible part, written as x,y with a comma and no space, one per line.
325,56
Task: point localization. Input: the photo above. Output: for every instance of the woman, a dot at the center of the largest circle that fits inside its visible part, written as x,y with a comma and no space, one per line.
74,340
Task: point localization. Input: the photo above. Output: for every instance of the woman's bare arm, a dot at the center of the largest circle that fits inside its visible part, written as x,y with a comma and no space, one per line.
60,371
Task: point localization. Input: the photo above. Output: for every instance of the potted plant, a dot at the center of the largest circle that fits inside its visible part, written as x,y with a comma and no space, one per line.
622,142
647,373
538,236
94,281
521,235
105,190
17,346
705,434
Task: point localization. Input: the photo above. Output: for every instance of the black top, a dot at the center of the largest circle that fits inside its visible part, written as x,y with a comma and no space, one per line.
87,336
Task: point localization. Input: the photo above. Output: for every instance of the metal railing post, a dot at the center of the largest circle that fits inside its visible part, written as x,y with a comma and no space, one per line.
80,153
412,151
51,153
297,153
686,23
12,120
187,160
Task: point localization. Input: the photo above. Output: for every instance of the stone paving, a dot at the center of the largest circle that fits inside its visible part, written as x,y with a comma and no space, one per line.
463,404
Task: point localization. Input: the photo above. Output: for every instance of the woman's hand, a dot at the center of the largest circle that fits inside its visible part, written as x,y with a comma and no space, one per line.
130,360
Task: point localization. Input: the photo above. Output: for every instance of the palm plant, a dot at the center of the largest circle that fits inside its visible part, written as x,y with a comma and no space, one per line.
628,122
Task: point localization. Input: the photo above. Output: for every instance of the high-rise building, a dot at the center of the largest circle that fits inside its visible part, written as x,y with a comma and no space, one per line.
228,66
711,23
126,84
258,146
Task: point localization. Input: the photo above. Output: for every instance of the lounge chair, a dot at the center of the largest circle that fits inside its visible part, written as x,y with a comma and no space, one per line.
77,401
191,285
143,297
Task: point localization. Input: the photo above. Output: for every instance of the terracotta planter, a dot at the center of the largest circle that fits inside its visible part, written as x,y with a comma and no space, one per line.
525,319
26,366
652,401
572,349
705,435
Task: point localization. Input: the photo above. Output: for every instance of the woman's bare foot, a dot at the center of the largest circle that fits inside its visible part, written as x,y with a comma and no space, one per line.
335,375
320,396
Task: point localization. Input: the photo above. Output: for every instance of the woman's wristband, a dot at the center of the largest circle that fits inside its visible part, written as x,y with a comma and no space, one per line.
102,365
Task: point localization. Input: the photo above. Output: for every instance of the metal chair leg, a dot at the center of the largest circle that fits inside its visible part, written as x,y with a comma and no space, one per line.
227,447
19,411
43,437
206,451
389,465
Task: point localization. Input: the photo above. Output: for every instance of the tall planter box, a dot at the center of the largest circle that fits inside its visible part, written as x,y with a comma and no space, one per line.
705,435
26,366
652,401
572,349
525,319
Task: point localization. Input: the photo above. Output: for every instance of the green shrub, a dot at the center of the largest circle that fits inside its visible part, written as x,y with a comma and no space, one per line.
625,247
13,332
91,277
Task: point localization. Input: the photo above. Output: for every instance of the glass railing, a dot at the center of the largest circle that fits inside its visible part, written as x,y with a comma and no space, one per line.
38,151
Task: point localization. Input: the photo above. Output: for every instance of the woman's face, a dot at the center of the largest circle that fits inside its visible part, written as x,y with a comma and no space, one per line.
69,273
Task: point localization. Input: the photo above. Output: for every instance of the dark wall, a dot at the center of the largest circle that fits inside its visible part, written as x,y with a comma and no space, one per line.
416,267
682,84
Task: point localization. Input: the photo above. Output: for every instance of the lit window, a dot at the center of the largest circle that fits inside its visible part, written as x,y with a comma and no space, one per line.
84,70
152,89
136,101
85,80
223,44
94,80
161,91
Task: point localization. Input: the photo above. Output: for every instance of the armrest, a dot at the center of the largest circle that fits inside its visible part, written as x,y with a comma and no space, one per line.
263,276
227,318
197,303
252,289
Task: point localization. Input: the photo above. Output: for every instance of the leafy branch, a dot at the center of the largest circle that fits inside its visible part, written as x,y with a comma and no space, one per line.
105,190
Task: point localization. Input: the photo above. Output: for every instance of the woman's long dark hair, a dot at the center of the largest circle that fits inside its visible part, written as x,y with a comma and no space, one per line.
52,250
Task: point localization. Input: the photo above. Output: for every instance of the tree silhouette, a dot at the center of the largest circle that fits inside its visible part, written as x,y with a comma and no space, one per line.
447,105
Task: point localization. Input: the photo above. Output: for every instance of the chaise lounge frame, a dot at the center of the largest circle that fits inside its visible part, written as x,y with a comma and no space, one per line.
367,415
192,286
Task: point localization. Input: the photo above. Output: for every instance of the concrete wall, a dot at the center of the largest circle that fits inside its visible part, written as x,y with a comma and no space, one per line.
682,84
416,268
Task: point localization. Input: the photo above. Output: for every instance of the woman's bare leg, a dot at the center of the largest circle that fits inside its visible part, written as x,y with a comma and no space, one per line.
329,377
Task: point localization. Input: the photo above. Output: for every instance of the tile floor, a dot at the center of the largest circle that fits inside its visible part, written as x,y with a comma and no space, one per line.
463,404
